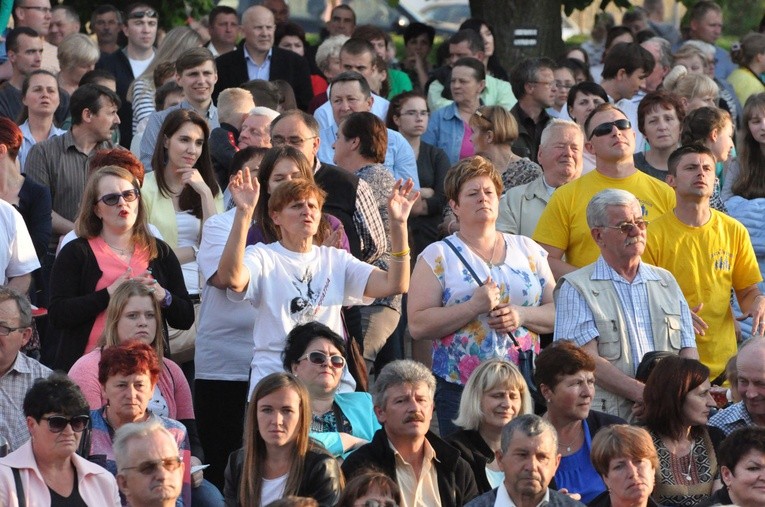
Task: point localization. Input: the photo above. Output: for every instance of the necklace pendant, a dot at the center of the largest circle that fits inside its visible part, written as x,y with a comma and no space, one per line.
568,449
688,478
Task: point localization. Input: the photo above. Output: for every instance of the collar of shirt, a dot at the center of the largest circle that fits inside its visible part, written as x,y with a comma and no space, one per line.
504,500
20,365
605,272
430,454
211,114
550,189
251,61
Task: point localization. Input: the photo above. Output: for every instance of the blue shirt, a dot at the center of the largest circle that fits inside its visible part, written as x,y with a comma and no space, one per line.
399,158
255,71
576,472
154,125
29,140
446,130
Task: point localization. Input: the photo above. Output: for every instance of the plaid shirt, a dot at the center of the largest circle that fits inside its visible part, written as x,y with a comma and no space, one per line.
732,418
369,224
13,387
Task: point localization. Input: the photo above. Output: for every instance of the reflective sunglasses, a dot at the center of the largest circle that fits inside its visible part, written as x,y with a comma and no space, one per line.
150,467
626,227
112,199
57,423
148,13
605,128
320,358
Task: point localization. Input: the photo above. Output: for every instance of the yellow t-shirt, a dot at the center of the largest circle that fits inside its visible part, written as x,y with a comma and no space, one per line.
707,262
563,223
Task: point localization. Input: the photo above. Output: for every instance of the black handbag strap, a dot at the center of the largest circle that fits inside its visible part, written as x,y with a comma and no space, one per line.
19,487
475,277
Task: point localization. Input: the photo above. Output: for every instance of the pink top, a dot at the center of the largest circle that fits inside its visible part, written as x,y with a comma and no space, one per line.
172,384
467,149
112,267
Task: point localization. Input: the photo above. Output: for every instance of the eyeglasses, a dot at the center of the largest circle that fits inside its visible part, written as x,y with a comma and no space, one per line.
320,358
57,423
626,227
562,85
605,128
112,199
150,467
380,503
414,113
5,330
551,84
148,13
291,140
44,10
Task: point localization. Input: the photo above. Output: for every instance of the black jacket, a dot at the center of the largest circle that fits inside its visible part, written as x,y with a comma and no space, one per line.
341,188
529,133
604,500
118,64
321,478
75,303
286,65
456,485
223,147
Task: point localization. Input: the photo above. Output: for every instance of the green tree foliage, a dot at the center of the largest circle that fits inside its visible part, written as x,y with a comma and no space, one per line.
171,12
570,6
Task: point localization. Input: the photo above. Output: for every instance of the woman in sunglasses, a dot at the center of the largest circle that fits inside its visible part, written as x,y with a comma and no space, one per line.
114,245
371,489
340,421
49,470
279,458
128,374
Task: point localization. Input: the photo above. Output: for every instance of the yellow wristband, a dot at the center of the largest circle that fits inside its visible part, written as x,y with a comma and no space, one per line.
402,253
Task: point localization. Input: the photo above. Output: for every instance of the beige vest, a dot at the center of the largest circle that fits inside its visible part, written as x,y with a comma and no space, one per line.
602,299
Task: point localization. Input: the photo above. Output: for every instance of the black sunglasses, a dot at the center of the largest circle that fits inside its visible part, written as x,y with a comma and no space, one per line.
149,13
57,423
320,358
605,128
112,199
150,467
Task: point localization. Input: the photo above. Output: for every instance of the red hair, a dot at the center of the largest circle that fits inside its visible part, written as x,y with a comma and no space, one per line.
119,157
129,358
11,137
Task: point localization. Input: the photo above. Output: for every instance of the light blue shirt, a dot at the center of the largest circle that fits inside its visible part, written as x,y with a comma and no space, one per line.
575,320
399,158
446,130
255,71
154,125
29,141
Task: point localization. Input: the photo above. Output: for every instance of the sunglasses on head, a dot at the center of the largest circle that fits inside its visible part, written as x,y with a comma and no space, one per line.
150,467
605,128
149,13
57,423
320,358
112,199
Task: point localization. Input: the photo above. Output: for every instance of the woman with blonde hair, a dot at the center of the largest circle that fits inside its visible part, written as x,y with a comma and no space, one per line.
278,458
141,91
114,245
749,54
77,54
494,395
694,90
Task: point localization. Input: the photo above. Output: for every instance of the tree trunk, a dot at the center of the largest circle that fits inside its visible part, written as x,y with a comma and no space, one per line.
523,28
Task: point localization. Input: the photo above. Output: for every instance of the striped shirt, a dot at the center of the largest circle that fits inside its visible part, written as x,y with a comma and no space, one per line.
732,418
574,319
13,388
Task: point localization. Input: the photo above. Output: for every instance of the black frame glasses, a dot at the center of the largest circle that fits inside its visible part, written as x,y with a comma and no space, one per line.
150,467
295,141
113,199
605,128
57,423
320,358
626,227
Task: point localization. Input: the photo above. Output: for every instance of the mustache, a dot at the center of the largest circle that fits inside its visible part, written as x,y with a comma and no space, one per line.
414,418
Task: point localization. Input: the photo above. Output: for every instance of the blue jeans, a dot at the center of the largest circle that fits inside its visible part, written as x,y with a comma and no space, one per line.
447,401
206,495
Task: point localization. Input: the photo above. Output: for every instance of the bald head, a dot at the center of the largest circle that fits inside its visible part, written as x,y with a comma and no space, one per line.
258,26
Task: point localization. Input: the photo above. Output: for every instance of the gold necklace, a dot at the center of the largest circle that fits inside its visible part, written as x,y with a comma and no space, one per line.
478,253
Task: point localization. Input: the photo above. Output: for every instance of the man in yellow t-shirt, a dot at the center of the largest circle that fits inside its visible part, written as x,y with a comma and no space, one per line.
562,229
709,253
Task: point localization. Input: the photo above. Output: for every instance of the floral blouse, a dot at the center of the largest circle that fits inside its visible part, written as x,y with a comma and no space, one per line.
521,278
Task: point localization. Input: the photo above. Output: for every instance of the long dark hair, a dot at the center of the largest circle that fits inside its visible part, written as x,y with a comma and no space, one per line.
750,183
189,198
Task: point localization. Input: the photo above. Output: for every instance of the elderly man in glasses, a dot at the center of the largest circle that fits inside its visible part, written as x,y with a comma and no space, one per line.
710,254
620,308
563,229
149,469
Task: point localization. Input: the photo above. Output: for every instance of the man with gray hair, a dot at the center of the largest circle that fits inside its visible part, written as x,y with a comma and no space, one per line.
427,470
529,457
620,308
560,155
149,467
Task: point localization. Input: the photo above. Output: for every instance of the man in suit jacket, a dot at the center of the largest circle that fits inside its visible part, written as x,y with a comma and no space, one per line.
529,457
257,58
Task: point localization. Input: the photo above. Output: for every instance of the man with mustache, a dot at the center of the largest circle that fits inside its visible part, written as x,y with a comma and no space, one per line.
427,470
710,254
620,308
528,457
563,229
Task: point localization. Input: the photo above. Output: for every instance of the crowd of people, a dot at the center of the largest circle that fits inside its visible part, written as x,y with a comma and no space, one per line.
241,270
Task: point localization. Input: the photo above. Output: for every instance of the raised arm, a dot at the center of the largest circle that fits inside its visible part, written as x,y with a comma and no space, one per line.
231,271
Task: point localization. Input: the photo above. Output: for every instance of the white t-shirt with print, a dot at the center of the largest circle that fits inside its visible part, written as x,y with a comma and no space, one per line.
17,252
